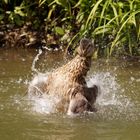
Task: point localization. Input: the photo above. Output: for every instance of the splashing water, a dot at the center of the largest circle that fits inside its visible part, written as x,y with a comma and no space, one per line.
108,88
42,102
45,105
111,102
35,60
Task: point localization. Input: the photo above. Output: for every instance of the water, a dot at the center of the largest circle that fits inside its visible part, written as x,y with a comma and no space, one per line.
33,118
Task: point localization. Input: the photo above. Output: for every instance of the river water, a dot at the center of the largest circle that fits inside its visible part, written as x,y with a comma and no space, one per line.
24,118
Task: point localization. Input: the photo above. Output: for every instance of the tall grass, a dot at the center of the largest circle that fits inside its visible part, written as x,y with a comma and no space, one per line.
113,24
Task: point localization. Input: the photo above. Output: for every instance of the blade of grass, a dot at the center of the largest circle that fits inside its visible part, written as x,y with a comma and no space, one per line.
78,3
118,34
92,13
102,29
103,11
115,13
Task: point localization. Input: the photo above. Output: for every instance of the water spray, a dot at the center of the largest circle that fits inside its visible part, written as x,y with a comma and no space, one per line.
35,60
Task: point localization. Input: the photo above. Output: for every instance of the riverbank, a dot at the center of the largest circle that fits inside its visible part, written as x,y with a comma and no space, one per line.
27,37
114,25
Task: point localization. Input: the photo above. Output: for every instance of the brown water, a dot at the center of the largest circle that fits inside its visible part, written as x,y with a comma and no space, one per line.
117,118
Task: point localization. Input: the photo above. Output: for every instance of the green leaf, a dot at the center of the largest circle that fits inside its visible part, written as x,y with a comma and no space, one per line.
59,30
6,1
103,11
102,30
92,13
19,11
78,3
18,21
62,2
115,13
121,28
1,17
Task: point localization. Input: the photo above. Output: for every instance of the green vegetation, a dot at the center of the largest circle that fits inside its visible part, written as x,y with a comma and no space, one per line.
114,24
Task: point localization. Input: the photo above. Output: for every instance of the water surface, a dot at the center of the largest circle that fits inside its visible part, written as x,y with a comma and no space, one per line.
117,118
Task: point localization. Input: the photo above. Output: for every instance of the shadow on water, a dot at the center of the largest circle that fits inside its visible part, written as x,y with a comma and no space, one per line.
118,115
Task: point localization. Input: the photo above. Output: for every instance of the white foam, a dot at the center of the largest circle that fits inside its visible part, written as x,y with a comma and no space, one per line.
107,83
109,88
41,102
45,105
111,103
39,78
